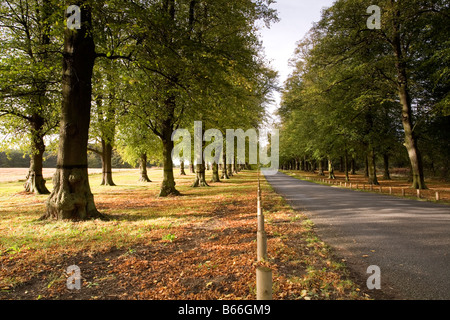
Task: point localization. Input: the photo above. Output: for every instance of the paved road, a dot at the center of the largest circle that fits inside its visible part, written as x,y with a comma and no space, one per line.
409,240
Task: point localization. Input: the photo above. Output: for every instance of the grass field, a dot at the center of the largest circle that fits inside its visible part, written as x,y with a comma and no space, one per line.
201,245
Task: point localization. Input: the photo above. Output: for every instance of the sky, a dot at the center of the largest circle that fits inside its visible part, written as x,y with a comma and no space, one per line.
296,19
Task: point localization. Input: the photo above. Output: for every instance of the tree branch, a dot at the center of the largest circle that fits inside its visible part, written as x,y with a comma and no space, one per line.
94,150
5,112
114,57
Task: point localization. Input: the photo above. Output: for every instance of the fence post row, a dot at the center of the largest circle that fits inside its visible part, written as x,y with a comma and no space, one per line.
263,274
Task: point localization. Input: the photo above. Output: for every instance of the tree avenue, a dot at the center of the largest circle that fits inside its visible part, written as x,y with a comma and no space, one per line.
129,74
370,94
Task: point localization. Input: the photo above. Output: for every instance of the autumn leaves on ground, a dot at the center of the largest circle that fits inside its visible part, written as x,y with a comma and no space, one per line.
201,245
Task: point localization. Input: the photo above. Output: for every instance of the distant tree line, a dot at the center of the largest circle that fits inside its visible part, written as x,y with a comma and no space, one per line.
363,97
18,159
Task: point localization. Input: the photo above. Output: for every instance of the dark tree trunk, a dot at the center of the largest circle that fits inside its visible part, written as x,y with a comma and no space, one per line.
229,170
107,179
200,178
215,173
166,125
71,197
347,178
191,168
331,170
182,172
35,181
168,184
366,166
321,173
353,166
224,167
143,169
386,174
405,100
372,168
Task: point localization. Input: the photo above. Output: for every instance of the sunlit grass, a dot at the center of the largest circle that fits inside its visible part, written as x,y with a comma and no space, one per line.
138,218
134,210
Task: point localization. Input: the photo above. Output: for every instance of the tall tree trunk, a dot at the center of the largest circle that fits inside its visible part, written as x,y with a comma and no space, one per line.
108,133
168,184
229,170
191,168
35,181
331,170
347,178
182,172
321,173
224,166
107,164
405,100
372,167
71,197
386,174
215,172
353,165
418,179
366,166
200,178
143,168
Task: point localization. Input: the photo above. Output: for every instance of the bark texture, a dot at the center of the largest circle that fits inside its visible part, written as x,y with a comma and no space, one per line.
372,168
386,174
215,173
418,180
107,179
200,179
224,167
331,174
35,181
143,169
71,197
182,172
168,183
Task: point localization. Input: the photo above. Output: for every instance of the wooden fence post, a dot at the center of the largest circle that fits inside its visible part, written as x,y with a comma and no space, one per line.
263,283
261,238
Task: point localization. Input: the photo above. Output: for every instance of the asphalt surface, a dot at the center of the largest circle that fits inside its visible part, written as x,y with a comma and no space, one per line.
408,240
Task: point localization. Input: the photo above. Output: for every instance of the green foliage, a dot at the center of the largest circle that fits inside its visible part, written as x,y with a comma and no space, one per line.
343,95
29,70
